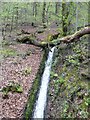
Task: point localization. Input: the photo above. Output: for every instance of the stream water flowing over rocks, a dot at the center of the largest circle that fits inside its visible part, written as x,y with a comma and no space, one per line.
42,96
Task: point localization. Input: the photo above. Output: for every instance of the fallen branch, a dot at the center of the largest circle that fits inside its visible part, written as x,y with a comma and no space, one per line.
71,38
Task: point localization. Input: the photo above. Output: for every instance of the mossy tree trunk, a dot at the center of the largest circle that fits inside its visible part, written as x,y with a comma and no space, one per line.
67,39
65,14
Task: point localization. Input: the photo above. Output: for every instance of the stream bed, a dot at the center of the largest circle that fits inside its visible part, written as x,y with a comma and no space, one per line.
66,78
42,96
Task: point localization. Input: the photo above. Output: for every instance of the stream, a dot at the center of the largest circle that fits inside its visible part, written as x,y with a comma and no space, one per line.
42,96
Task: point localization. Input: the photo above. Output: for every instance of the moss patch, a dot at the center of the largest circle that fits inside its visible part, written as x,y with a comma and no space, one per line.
11,87
7,52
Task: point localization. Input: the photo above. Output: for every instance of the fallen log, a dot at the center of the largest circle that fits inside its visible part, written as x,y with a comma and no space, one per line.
30,40
67,39
76,35
87,25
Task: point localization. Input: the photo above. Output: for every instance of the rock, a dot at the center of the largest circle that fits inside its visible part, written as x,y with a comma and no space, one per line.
86,61
85,73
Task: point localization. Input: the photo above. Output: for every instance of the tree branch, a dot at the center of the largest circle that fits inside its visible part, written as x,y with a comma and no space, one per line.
74,37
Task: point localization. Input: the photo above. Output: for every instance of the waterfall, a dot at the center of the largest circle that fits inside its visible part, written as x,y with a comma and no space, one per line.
42,96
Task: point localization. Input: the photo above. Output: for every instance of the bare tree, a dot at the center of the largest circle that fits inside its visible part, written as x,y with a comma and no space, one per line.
17,15
65,14
34,9
12,20
76,15
43,12
57,7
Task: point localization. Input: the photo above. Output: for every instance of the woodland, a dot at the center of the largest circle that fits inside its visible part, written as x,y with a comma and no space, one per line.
29,30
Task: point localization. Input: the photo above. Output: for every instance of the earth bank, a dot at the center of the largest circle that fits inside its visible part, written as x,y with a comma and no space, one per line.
68,92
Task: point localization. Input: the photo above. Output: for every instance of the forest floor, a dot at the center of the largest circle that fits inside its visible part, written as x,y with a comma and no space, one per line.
19,66
68,93
19,69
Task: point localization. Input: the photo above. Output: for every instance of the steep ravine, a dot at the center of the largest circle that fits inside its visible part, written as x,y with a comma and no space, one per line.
68,92
42,95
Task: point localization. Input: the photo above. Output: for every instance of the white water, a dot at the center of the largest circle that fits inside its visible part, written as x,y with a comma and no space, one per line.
41,102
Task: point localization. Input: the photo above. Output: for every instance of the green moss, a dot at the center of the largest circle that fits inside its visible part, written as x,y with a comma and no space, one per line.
5,43
13,87
43,43
27,71
34,90
69,62
8,52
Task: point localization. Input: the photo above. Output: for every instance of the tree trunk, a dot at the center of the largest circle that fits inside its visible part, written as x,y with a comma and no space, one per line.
43,12
12,19
67,39
76,15
47,13
4,26
57,5
65,14
17,13
34,9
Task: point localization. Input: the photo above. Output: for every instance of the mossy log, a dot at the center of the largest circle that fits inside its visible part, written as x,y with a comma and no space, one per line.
67,39
31,40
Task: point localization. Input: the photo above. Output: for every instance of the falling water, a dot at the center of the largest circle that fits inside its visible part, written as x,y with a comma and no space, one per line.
42,96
